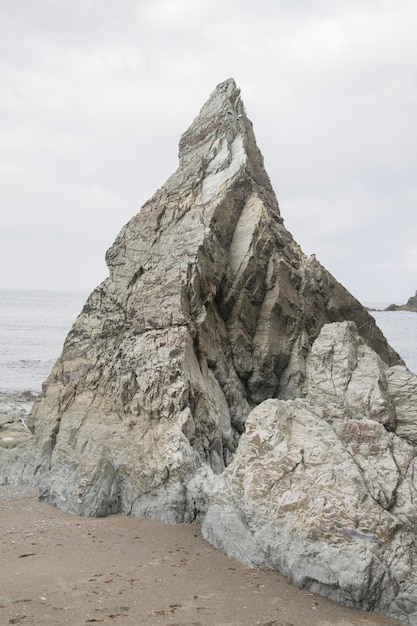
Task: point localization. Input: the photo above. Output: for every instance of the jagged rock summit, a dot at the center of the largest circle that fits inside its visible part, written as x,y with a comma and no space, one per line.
220,375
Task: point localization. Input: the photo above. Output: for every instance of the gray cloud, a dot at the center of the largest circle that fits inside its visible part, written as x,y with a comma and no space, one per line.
95,96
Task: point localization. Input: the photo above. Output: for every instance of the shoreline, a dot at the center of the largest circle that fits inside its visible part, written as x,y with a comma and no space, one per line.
15,409
58,568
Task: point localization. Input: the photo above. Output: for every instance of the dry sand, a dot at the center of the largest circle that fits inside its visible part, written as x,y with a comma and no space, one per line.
60,569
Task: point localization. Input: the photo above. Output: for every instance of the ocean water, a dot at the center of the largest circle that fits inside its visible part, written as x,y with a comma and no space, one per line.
33,327
34,324
400,329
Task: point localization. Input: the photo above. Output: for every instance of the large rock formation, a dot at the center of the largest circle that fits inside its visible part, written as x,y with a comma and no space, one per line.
220,375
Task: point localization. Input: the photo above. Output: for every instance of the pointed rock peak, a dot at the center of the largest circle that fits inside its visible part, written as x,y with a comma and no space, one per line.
225,93
220,144
218,118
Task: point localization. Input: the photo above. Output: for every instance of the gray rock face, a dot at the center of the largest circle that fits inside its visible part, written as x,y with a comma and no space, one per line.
14,410
324,487
213,377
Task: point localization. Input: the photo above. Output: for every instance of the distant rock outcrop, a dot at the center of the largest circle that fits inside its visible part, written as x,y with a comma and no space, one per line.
222,376
410,306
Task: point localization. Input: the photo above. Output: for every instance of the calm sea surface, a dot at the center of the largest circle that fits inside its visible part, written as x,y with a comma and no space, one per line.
400,329
34,324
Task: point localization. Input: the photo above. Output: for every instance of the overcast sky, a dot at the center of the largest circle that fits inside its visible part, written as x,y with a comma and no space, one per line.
95,95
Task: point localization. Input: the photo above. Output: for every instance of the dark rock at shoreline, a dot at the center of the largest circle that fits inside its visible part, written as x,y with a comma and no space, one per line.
410,306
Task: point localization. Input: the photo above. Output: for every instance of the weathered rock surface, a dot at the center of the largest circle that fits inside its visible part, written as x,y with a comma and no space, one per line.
322,487
213,376
12,434
14,411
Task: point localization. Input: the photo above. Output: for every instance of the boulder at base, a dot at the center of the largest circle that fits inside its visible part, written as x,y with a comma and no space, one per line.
221,375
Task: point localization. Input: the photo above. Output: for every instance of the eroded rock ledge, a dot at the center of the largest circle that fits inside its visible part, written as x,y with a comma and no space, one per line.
220,375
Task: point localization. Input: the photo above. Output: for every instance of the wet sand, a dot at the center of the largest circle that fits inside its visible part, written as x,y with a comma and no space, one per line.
59,569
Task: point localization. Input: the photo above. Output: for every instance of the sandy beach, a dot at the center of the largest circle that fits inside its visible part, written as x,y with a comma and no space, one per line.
58,569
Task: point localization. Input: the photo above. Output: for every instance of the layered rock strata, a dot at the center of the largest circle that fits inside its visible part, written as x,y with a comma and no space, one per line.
213,377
